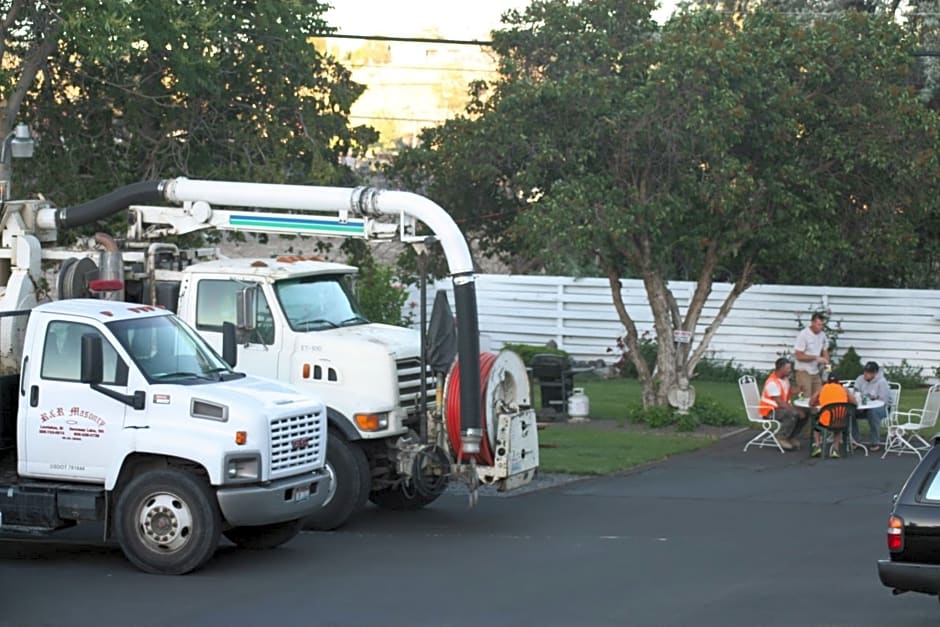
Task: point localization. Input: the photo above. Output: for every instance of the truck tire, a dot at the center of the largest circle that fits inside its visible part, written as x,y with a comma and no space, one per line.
167,522
350,482
264,537
428,483
400,499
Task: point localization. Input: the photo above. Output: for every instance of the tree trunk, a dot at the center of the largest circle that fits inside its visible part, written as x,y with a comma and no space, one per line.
675,361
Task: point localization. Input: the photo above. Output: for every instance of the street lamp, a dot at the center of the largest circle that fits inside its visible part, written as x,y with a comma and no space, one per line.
19,144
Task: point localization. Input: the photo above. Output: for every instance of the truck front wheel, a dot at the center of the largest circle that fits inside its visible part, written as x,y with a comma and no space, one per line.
167,522
350,482
264,537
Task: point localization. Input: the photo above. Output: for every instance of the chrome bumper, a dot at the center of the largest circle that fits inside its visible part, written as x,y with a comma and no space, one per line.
278,501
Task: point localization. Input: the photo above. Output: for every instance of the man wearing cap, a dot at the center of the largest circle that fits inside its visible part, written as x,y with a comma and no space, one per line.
873,385
832,391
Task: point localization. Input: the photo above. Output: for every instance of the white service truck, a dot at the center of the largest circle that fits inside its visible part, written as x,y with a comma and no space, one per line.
120,413
297,320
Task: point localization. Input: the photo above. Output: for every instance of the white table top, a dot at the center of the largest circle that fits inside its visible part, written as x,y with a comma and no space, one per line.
804,402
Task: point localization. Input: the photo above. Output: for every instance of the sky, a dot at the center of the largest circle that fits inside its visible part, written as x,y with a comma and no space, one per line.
408,18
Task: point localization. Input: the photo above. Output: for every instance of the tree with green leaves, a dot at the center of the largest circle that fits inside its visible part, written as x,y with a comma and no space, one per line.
123,91
712,148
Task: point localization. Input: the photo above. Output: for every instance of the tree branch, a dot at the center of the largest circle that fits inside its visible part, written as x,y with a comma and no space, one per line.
740,285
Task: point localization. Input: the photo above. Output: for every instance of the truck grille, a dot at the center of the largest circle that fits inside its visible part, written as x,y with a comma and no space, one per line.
298,440
409,386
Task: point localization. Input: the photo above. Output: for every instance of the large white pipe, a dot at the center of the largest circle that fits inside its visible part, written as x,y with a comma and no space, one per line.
361,200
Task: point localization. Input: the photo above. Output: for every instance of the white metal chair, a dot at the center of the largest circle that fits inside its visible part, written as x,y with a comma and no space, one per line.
903,436
893,401
768,425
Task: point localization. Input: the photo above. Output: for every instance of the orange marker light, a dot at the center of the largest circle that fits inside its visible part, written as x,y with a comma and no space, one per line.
371,422
306,371
241,437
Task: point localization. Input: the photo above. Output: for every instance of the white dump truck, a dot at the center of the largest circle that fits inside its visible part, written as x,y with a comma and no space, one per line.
121,414
297,319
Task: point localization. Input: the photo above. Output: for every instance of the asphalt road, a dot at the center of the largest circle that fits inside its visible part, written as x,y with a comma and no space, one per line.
715,537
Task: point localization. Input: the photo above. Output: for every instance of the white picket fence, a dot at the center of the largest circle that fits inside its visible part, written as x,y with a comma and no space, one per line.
578,315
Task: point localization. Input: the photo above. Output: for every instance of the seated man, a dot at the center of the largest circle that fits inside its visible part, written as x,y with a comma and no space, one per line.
832,391
872,384
776,398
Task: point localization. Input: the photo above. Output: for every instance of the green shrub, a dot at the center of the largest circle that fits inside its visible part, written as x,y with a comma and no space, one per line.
687,422
850,366
905,374
711,369
380,294
660,416
527,351
709,412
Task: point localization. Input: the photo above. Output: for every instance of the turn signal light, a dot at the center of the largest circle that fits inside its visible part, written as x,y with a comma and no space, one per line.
241,437
895,534
305,371
371,422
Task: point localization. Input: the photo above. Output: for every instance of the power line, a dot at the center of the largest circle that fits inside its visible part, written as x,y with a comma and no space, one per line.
415,40
441,68
394,119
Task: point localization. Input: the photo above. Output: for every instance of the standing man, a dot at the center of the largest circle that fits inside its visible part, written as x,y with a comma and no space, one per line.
812,355
776,398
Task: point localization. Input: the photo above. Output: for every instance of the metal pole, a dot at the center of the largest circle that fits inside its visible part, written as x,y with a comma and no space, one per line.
423,288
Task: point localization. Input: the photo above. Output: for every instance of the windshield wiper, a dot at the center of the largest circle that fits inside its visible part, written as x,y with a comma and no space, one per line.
357,319
223,372
180,375
318,321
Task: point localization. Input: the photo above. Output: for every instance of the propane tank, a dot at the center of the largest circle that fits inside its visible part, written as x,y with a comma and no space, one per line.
579,406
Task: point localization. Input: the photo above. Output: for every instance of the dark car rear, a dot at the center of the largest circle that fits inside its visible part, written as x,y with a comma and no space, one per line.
913,533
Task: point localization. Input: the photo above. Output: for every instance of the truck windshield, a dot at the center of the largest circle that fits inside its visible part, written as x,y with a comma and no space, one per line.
314,303
166,350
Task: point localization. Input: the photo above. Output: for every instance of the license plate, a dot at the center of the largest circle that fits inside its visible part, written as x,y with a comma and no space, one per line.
301,494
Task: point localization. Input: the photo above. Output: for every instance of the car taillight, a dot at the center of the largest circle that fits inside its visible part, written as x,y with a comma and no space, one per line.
895,534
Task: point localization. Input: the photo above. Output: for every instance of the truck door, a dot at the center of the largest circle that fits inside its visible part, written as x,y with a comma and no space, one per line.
259,348
70,428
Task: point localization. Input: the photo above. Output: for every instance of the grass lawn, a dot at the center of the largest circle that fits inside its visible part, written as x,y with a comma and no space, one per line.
611,398
592,451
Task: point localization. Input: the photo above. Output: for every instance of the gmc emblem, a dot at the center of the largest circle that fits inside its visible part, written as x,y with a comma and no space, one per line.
299,443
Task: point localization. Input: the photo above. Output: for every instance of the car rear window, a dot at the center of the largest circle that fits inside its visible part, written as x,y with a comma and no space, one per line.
931,490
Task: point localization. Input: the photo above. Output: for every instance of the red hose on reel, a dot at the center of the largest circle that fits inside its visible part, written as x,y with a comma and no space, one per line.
452,409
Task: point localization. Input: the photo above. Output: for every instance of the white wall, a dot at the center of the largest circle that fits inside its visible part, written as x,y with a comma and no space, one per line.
578,314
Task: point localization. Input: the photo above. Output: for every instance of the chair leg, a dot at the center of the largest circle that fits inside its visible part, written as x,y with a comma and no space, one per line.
921,444
899,444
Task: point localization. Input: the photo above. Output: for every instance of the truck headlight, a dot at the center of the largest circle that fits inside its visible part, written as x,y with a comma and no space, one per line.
243,468
372,422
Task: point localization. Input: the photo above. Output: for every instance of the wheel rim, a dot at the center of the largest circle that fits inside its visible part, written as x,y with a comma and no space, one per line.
165,522
331,492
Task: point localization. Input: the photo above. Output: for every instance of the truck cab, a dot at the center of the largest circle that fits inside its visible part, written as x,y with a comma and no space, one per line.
307,329
121,413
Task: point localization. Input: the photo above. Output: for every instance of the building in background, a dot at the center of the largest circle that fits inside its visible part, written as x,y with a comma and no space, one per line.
410,84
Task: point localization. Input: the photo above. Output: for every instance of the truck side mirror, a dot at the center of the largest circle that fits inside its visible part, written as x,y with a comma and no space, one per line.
229,344
245,307
92,359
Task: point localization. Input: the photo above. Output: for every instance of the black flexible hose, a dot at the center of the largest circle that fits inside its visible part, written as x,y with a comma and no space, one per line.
109,204
430,485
